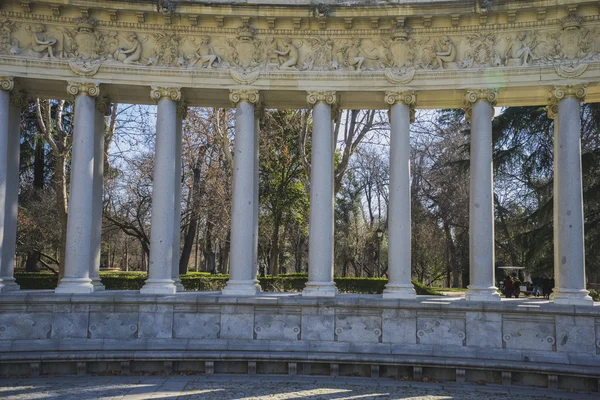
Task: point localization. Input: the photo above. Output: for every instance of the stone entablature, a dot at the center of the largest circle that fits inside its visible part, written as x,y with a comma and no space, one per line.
355,329
518,55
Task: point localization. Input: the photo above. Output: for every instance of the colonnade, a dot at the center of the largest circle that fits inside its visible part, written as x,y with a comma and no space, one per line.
84,220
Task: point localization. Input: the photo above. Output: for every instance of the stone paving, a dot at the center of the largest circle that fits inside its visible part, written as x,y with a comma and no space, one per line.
228,387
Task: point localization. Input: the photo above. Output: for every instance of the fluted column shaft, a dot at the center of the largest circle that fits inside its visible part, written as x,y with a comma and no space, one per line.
481,198
160,272
78,254
320,238
242,280
10,116
102,108
569,252
181,115
399,219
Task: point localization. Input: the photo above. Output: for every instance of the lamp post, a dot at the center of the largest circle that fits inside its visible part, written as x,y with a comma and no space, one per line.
379,233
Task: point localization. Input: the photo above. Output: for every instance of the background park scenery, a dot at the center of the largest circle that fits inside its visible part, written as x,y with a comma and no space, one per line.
523,196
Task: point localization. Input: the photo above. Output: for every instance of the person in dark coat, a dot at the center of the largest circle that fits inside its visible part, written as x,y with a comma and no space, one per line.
508,287
546,287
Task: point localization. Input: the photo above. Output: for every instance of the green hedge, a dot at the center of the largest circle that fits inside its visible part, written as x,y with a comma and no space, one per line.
202,282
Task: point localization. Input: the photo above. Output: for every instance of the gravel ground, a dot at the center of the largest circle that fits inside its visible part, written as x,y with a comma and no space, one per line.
227,387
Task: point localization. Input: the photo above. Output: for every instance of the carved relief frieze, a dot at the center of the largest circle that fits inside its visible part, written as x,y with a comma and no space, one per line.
85,45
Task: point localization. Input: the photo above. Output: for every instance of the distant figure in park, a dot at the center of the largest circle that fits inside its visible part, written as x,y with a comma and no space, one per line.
508,287
547,285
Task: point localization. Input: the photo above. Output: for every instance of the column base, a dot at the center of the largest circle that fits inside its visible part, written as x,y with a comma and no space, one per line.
241,288
573,297
482,293
8,285
74,286
97,284
178,284
319,289
399,292
158,286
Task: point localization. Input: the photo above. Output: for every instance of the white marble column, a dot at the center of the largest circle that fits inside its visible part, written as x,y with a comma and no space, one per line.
399,219
10,118
482,285
258,114
160,269
242,278
78,255
569,252
320,237
181,115
102,109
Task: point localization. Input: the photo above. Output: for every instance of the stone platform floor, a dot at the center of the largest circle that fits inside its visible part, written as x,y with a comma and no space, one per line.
228,387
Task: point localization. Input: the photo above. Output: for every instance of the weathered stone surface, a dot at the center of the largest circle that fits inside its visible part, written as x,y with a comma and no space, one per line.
440,329
277,327
113,325
196,326
528,332
70,325
318,323
237,322
484,329
365,328
25,326
399,326
156,321
573,333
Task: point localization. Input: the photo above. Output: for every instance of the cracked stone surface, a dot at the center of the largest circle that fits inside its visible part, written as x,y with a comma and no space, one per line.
227,387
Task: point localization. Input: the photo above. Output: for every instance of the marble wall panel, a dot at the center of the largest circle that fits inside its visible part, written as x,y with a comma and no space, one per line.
196,325
113,325
484,329
528,332
277,326
318,324
237,322
25,326
399,326
573,334
352,328
70,325
441,328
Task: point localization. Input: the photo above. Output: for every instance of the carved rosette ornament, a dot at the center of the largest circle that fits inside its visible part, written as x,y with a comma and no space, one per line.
408,98
474,95
90,88
329,98
161,92
558,93
7,83
246,95
103,104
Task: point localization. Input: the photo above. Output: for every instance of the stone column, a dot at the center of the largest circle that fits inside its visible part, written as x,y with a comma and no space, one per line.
569,252
320,237
160,274
258,114
10,118
242,281
102,110
399,220
78,254
482,286
181,115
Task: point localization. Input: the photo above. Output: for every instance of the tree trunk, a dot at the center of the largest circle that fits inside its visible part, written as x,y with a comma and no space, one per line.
210,262
38,165
60,189
453,259
32,261
190,235
274,256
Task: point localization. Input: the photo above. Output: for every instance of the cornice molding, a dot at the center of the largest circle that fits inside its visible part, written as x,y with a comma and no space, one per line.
91,89
245,95
325,97
165,92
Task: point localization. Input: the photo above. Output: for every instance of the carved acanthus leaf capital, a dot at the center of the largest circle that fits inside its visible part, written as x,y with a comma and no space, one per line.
408,98
329,98
475,95
161,92
246,95
90,88
182,110
7,83
103,104
562,92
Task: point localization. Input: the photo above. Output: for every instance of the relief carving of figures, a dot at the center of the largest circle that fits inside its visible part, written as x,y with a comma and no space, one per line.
519,52
204,55
131,52
446,53
571,44
40,43
482,52
6,44
354,55
321,56
287,55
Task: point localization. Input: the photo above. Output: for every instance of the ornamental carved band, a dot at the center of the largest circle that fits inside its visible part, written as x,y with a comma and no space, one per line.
475,95
407,98
329,98
7,83
246,95
161,92
90,88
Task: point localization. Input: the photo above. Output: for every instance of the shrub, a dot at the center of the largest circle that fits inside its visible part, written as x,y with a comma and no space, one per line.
595,294
36,280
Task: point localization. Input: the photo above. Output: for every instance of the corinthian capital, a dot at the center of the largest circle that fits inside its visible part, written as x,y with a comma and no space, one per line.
408,98
103,105
246,95
90,88
562,92
475,95
7,83
329,98
182,109
161,92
